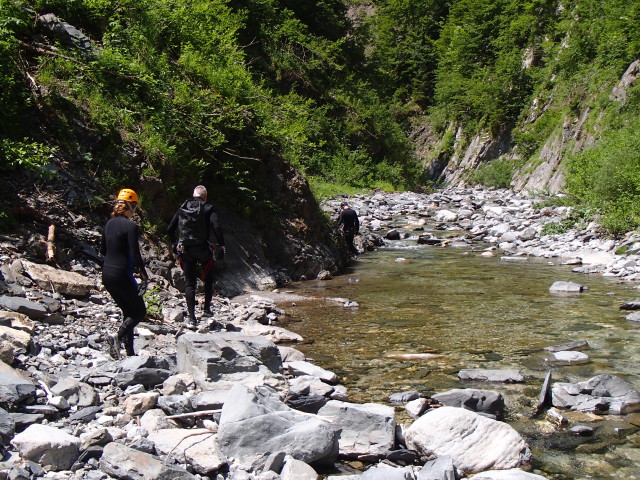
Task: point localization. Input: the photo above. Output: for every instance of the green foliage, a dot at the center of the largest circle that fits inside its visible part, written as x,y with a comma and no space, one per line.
607,176
495,174
578,218
214,90
324,190
403,57
26,155
153,302
13,94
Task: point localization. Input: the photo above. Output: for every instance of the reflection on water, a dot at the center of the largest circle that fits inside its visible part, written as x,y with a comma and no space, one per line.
478,312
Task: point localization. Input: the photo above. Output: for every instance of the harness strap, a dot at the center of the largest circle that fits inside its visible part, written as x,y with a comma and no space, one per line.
206,269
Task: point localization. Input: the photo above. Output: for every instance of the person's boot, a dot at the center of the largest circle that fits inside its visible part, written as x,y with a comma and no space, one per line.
191,311
114,346
128,344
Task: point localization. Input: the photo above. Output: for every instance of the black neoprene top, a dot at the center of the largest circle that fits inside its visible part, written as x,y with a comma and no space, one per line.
349,218
120,245
212,224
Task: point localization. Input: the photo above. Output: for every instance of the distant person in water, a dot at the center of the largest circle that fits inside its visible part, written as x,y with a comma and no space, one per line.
348,220
121,260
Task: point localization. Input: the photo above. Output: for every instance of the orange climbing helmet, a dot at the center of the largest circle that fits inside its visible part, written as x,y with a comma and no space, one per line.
127,195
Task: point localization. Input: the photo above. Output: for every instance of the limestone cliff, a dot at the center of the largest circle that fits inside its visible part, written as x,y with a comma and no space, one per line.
450,156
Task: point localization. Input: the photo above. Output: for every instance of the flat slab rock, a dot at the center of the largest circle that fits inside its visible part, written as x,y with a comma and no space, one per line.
569,357
480,375
567,287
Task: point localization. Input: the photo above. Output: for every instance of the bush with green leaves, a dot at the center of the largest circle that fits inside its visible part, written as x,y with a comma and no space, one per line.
578,218
495,174
607,177
25,155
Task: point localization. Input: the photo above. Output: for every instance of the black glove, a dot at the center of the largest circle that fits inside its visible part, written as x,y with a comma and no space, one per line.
221,253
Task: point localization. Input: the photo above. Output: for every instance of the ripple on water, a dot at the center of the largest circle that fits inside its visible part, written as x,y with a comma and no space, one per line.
477,312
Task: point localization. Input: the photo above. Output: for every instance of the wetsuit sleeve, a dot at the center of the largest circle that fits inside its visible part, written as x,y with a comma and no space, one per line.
215,226
357,223
134,248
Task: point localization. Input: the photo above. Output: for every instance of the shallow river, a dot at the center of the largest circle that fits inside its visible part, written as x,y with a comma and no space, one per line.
479,312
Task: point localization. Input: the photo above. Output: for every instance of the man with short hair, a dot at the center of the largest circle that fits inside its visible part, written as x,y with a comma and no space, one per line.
350,223
195,222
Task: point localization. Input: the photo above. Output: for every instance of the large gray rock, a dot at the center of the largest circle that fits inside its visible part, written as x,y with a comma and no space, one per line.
217,361
75,392
474,443
304,368
48,446
24,306
14,386
566,287
143,370
125,463
599,394
62,281
367,429
480,401
197,447
7,426
255,423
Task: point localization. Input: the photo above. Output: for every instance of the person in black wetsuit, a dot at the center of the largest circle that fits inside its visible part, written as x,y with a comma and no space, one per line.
193,256
348,220
122,258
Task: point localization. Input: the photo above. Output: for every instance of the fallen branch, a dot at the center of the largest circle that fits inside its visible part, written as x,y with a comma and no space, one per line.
202,413
51,251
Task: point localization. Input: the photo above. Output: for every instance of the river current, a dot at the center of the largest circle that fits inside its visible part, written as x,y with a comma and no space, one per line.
474,311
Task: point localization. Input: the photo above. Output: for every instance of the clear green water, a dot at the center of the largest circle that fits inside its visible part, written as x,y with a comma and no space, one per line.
478,312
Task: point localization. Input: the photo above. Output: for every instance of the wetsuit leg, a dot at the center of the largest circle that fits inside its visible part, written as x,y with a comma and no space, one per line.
189,266
348,236
208,288
123,289
125,334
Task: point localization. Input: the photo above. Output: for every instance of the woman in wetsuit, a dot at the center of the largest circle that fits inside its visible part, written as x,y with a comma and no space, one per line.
122,258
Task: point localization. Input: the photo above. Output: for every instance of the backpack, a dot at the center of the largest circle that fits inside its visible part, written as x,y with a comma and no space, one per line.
192,224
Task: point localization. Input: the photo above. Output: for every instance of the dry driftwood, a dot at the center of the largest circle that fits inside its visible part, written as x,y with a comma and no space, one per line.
51,251
202,413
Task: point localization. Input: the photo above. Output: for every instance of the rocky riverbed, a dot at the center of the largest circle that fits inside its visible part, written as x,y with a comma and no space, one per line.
235,399
499,222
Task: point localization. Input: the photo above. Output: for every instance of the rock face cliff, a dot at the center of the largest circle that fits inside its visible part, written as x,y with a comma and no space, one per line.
450,156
